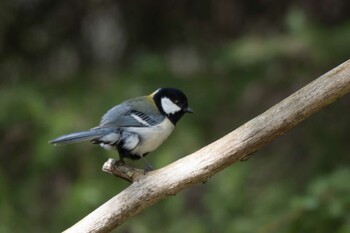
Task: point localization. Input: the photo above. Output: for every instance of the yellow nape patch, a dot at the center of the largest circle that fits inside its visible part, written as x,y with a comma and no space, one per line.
150,98
153,93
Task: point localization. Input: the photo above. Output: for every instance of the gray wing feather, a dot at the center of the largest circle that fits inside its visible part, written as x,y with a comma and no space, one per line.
121,115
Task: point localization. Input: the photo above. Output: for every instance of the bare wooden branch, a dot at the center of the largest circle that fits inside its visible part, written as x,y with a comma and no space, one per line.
201,165
122,170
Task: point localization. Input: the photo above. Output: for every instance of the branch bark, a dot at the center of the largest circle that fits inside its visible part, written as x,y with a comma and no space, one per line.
198,167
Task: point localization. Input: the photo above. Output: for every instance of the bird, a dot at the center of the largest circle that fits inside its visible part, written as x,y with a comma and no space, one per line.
136,126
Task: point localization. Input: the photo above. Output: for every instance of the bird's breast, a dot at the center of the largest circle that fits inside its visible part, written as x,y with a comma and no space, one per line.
151,137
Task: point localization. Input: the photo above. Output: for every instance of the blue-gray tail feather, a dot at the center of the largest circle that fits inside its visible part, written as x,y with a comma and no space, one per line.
80,136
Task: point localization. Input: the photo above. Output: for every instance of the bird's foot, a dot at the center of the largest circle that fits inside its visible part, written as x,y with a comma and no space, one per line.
118,162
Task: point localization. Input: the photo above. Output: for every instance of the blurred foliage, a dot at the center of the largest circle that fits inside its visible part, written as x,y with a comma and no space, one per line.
64,63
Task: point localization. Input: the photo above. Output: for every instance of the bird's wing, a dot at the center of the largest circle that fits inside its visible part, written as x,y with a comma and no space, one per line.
132,113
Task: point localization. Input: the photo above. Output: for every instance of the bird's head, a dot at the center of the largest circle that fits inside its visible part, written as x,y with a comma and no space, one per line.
172,103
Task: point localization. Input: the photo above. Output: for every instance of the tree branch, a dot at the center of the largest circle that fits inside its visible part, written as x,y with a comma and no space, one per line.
201,165
122,170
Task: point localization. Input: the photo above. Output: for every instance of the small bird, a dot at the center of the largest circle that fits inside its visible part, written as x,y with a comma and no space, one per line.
136,126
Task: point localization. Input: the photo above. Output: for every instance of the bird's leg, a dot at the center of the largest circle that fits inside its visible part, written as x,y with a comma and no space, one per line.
121,157
148,167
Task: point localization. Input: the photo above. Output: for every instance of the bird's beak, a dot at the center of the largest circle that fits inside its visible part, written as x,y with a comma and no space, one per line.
189,110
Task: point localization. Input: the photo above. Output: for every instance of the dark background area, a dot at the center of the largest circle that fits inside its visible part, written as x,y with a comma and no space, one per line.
64,63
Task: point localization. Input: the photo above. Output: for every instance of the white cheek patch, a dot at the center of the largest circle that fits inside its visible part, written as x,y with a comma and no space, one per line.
168,106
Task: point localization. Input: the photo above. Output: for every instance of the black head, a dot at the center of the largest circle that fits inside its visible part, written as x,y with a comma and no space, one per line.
172,103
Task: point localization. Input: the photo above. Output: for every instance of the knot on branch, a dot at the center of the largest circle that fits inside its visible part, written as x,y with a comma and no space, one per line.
122,170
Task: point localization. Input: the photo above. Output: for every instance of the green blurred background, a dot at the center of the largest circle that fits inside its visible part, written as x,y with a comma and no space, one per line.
64,63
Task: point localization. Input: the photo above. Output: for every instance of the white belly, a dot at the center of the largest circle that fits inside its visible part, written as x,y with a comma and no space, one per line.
152,137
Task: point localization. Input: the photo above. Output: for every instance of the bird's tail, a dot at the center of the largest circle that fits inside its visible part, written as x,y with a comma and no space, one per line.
88,135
